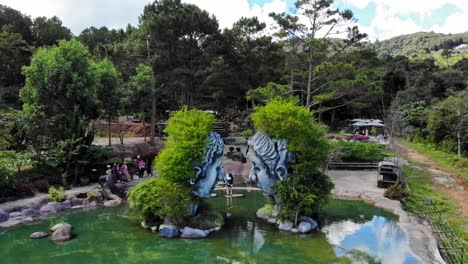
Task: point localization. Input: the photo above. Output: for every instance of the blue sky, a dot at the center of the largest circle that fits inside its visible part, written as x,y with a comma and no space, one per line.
380,19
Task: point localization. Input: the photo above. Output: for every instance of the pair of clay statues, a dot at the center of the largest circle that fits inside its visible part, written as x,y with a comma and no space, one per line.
270,161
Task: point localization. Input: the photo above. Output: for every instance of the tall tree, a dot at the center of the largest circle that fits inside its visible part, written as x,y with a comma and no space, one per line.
48,31
323,22
141,91
108,93
59,81
19,22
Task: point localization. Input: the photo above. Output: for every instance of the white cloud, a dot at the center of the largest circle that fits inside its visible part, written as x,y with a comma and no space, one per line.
392,16
78,15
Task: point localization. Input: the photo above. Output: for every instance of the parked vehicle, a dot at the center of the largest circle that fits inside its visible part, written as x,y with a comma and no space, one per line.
388,174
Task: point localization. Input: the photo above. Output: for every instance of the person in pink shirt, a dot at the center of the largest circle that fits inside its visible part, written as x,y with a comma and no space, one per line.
124,171
141,167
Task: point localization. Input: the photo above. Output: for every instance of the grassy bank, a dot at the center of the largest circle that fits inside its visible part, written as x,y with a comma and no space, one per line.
448,161
448,220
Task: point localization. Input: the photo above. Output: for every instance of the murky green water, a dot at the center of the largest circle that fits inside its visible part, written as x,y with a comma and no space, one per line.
351,232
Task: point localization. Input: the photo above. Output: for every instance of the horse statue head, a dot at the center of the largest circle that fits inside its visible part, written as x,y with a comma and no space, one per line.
210,170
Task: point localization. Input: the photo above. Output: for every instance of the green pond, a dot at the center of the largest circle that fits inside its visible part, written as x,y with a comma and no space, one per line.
351,232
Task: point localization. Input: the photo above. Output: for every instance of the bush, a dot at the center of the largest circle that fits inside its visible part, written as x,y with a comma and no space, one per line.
247,133
359,151
169,196
56,195
396,192
207,220
42,185
158,198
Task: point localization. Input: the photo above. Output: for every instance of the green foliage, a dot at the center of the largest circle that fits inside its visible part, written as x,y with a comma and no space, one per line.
170,195
56,195
207,219
358,151
285,119
12,162
396,192
158,198
267,93
307,188
187,131
14,53
247,133
267,209
59,81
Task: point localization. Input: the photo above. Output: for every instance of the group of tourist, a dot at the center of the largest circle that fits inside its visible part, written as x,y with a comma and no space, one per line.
120,172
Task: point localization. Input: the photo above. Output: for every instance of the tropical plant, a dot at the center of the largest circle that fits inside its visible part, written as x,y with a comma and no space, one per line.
56,195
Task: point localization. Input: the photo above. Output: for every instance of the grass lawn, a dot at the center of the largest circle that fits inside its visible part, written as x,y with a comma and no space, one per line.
422,189
446,160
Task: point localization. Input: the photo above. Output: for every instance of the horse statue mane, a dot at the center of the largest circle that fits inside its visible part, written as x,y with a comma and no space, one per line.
209,170
271,159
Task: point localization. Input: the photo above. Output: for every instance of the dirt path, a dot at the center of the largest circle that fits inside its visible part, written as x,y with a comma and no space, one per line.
445,180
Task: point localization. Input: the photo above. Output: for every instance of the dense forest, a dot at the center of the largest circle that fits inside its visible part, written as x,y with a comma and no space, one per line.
416,82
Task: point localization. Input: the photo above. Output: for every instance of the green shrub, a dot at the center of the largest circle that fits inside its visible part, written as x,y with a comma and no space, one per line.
56,195
267,209
247,133
396,192
158,198
359,151
170,195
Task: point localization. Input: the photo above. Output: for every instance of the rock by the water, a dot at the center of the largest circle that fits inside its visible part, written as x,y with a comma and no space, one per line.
60,225
272,220
47,209
92,201
56,205
62,233
4,216
15,215
294,231
168,231
37,235
10,223
189,232
309,220
214,229
145,225
76,201
30,212
285,225
112,203
66,204
304,227
154,229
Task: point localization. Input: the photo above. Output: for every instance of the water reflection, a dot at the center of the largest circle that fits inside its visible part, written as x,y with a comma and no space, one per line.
380,238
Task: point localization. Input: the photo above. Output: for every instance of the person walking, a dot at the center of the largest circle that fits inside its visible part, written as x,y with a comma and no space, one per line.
149,165
141,167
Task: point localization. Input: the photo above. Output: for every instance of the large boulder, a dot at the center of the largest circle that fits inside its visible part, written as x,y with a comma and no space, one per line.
189,232
62,234
112,203
38,235
309,220
10,223
60,225
168,231
304,227
4,216
56,205
16,215
66,204
285,225
92,201
47,209
76,201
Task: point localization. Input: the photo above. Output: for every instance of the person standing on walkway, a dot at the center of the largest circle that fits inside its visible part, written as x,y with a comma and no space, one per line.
230,183
141,167
124,170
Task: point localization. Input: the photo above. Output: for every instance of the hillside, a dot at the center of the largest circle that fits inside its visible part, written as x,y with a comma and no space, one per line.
412,45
